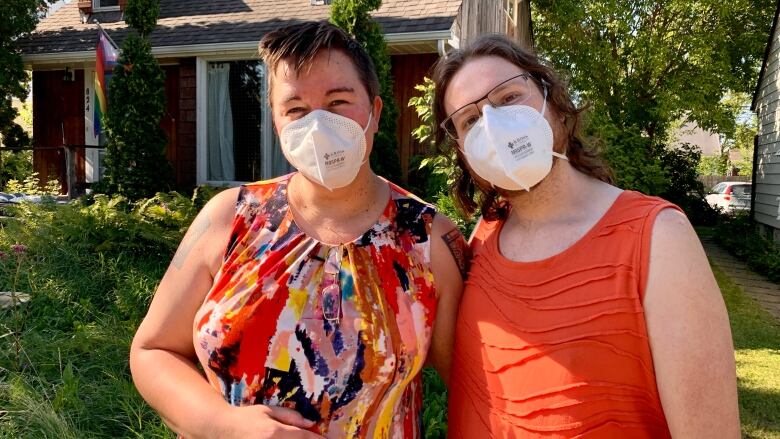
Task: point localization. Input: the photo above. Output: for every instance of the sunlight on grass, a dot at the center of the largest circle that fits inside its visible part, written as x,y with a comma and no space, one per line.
757,351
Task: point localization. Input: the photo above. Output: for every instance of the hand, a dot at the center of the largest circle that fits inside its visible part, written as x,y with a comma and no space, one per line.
261,422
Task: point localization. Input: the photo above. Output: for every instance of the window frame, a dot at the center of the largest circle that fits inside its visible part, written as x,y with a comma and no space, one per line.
96,7
201,104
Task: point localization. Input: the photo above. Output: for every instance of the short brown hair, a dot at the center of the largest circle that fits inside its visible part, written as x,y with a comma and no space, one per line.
582,157
300,43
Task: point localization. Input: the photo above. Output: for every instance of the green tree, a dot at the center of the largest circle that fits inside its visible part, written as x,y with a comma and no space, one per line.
353,17
136,166
17,18
644,65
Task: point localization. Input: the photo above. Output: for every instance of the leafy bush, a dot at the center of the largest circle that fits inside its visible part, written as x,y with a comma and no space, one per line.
713,165
90,269
14,166
434,173
684,188
739,236
32,185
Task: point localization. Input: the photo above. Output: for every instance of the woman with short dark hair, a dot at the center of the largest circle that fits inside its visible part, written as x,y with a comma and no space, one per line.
311,301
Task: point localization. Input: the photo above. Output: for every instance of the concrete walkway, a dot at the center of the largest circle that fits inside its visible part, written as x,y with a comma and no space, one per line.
761,289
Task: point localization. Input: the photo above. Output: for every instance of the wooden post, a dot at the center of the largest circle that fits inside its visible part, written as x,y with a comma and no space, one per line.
70,172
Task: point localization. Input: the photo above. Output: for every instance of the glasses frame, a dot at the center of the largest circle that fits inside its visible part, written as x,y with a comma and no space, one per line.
330,294
455,136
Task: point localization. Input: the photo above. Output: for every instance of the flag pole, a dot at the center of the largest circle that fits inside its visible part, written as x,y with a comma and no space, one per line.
110,40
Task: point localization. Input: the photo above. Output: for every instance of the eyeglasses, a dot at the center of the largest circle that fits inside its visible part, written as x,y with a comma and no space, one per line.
331,291
513,91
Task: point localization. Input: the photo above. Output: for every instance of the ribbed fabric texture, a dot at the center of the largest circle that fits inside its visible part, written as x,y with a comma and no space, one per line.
558,348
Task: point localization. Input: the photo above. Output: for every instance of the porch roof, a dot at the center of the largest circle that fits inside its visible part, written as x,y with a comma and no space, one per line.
222,22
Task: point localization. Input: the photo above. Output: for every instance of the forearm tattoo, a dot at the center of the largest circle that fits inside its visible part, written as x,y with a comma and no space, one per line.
459,249
198,230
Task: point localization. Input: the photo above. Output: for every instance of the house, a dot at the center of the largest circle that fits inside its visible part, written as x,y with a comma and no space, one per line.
215,86
765,205
690,133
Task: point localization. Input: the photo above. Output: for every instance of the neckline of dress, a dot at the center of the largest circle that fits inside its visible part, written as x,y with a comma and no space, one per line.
288,216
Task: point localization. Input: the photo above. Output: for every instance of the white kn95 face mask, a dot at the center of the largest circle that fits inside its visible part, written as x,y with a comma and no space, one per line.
327,148
511,147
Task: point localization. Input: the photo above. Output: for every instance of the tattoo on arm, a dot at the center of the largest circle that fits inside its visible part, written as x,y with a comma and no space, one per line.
197,231
459,249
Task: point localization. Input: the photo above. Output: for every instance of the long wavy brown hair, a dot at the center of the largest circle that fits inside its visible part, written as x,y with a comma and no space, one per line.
469,194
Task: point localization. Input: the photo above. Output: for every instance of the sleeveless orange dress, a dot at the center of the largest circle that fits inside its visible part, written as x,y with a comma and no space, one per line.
558,348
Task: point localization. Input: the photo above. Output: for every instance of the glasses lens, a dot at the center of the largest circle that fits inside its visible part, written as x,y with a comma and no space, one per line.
464,119
331,302
449,128
513,92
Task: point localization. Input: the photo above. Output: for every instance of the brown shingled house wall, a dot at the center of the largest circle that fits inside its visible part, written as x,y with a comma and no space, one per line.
185,166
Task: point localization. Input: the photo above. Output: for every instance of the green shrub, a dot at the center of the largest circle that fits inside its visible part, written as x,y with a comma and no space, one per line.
684,188
739,236
14,166
91,268
434,412
32,185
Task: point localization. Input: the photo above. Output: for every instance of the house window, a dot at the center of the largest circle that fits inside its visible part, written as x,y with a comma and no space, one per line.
239,141
105,5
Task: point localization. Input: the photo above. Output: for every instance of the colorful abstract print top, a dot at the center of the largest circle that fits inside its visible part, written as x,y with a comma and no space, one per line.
272,332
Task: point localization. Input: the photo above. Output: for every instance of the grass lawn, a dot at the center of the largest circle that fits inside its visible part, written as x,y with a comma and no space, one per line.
757,350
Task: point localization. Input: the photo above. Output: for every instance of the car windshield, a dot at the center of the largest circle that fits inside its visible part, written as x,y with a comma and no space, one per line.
741,190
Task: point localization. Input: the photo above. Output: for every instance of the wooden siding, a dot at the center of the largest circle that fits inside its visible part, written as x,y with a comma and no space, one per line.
767,179
59,105
58,108
408,71
480,17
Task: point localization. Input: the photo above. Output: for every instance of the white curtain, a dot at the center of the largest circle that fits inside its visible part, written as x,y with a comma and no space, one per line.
273,162
221,163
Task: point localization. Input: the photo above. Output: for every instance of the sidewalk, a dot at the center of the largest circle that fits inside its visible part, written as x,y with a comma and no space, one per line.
761,289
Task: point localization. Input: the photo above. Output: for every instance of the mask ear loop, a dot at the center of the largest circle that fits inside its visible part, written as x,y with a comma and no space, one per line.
544,108
365,130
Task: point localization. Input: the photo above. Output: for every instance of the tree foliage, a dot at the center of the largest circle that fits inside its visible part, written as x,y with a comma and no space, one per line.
17,18
645,64
353,17
136,166
645,67
142,15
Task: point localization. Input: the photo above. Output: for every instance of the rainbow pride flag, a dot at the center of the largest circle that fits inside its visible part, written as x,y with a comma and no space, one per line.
106,59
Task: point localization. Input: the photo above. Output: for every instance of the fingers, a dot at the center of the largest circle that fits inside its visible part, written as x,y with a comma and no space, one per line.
296,433
289,417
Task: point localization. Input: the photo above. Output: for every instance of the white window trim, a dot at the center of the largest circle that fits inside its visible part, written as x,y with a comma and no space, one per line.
97,8
92,156
201,134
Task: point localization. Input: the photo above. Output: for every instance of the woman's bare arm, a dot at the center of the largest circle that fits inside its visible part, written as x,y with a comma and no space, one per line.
689,335
449,262
162,356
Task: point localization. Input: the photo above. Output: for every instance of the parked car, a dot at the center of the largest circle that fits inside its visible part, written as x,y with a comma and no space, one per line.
730,196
